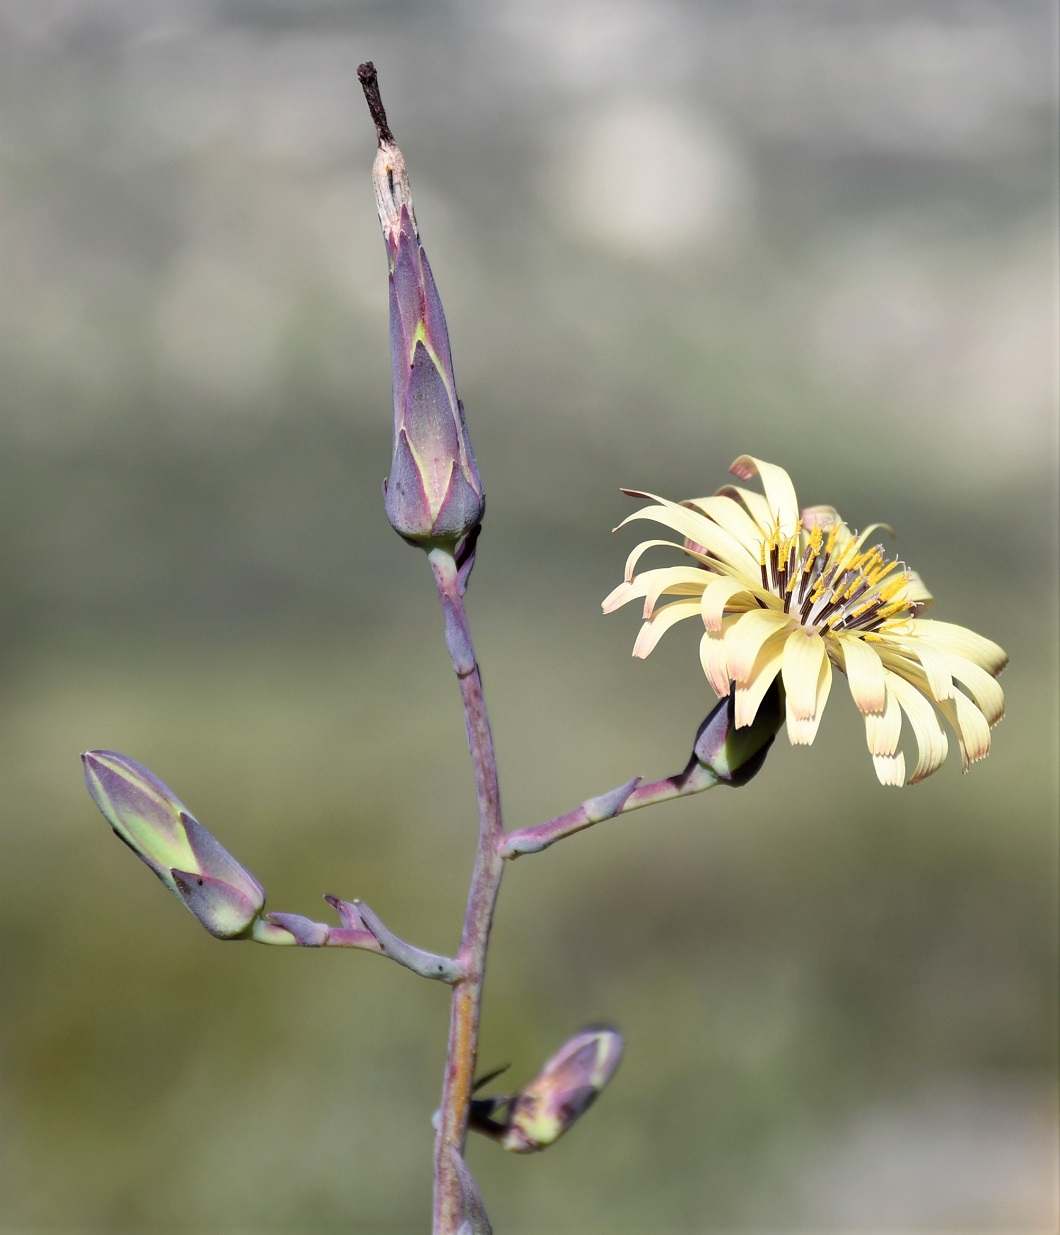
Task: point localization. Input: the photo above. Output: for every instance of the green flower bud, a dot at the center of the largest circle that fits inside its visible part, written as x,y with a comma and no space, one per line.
157,827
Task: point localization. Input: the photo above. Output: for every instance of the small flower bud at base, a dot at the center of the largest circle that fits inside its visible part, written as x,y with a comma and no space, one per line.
557,1097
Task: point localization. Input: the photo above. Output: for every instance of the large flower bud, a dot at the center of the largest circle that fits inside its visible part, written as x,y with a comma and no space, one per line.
434,495
155,824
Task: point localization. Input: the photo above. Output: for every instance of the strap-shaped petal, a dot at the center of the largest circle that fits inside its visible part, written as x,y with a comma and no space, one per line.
936,665
807,675
767,666
733,518
651,584
779,491
985,690
638,552
756,505
660,622
861,537
973,733
864,670
672,581
713,658
884,730
890,769
930,739
719,591
621,595
744,639
824,517
965,642
697,528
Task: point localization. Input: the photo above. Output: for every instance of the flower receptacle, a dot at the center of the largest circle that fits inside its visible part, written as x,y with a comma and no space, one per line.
736,755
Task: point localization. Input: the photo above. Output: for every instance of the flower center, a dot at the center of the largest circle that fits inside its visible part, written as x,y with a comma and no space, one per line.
828,583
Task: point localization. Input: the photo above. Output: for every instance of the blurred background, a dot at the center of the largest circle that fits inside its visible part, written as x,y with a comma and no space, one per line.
666,232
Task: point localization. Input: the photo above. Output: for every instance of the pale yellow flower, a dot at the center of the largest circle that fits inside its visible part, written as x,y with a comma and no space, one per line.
793,593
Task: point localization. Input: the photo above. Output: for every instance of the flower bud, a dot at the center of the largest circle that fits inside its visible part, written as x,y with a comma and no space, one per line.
563,1090
434,495
734,755
157,827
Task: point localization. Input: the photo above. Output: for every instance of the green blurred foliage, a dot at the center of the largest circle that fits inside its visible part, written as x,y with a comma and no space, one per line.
839,1001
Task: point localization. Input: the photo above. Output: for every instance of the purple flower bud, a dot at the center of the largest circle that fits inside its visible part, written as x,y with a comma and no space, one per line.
434,496
157,827
563,1090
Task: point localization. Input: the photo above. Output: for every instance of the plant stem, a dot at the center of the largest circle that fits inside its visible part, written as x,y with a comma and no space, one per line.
631,796
466,1006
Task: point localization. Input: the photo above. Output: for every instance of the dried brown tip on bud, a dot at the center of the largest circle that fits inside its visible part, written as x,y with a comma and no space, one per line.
369,80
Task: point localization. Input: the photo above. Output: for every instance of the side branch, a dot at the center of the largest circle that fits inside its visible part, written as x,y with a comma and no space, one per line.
722,755
361,928
630,796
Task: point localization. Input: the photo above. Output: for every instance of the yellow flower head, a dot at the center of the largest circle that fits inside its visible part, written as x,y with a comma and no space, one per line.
790,592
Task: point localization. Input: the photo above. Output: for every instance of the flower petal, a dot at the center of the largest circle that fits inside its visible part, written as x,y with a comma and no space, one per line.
719,591
757,506
823,517
733,517
621,595
660,622
807,675
883,730
779,491
936,666
985,690
766,667
714,659
890,769
671,581
973,733
744,639
930,738
698,528
964,642
864,670
638,552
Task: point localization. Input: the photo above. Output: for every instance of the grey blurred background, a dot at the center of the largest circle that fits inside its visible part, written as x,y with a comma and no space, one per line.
666,233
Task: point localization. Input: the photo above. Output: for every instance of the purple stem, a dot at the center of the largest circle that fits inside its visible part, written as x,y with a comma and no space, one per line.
466,1006
426,964
631,796
286,928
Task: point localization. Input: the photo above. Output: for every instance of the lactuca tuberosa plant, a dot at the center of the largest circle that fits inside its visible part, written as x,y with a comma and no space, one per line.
785,596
